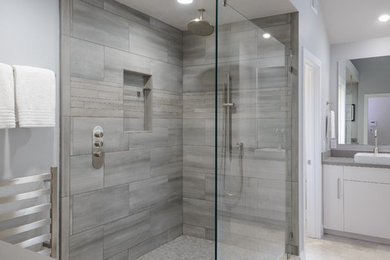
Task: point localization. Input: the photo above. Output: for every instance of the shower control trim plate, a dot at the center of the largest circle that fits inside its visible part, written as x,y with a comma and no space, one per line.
97,147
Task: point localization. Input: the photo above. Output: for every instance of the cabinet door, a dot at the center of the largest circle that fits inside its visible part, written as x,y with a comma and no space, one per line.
367,208
333,197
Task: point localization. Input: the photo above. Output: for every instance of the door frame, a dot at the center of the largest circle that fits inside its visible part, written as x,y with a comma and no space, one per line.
314,183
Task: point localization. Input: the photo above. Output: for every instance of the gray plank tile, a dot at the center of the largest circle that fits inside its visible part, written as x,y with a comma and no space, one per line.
116,61
84,177
201,157
159,137
97,25
126,12
96,98
194,131
194,183
99,207
144,194
194,231
167,105
126,167
65,74
87,60
121,256
148,245
65,156
97,3
148,42
166,160
65,225
166,216
87,245
114,138
198,213
126,233
167,77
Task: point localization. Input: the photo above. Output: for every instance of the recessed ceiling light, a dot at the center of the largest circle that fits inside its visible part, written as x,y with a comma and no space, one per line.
384,18
266,35
185,2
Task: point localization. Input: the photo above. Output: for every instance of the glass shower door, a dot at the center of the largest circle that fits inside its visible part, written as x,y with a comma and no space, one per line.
253,111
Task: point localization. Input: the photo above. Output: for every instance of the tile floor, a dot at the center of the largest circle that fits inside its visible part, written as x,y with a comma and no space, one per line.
328,248
191,248
339,248
183,248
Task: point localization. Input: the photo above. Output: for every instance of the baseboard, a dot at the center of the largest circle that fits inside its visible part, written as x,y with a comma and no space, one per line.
358,236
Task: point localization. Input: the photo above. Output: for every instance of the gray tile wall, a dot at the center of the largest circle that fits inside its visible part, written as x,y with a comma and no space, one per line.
156,185
134,203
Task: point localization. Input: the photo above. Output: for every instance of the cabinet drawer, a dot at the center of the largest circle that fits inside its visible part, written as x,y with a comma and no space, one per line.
365,174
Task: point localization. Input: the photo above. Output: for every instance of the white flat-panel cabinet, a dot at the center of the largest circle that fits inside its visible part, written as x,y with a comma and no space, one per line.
367,208
357,200
333,197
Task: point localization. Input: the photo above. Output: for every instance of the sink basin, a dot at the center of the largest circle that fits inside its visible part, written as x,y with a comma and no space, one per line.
371,158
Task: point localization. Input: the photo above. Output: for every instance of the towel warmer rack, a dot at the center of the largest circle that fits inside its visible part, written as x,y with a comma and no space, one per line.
48,241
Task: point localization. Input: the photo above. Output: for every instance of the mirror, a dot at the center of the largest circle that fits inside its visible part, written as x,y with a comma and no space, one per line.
364,100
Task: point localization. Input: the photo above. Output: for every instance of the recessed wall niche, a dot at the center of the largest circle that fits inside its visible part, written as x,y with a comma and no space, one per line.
137,102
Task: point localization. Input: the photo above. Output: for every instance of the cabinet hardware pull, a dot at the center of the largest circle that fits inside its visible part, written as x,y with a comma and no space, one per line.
338,188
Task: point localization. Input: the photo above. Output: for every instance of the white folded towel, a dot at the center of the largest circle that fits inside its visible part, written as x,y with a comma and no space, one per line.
7,97
332,125
35,91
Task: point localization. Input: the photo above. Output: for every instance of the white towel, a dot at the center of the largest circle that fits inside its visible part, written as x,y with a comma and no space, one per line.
7,97
332,125
35,91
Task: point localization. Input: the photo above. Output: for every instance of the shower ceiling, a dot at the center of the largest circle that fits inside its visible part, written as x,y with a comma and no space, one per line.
178,15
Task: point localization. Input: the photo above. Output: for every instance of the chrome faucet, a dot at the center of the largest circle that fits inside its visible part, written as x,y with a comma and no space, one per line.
376,149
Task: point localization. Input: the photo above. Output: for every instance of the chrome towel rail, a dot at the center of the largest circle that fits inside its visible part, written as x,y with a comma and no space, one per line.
44,239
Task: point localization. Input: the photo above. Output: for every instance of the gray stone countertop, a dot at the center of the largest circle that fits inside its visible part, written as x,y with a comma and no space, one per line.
347,161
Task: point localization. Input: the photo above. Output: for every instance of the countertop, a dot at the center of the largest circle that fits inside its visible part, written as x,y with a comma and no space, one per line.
347,161
12,252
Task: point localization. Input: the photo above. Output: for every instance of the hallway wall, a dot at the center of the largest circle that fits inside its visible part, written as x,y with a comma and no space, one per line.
30,151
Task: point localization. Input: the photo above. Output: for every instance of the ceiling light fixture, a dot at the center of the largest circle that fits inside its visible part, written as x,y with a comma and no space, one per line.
266,35
384,18
185,2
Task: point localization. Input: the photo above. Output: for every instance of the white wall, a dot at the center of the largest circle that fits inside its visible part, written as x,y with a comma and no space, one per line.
313,37
355,50
29,36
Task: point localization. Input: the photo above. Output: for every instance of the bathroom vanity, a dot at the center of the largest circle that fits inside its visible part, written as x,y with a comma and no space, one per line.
356,199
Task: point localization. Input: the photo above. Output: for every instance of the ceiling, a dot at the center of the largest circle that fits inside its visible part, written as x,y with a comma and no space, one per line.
355,20
177,15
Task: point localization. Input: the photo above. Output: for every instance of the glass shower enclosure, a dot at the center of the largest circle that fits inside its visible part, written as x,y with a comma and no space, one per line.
254,127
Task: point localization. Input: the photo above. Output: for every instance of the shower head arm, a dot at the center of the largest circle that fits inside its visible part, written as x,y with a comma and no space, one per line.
201,11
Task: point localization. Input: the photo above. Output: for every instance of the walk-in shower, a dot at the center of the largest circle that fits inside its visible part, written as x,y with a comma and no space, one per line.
199,120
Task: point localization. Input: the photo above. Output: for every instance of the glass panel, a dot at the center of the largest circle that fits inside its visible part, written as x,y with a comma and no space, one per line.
254,138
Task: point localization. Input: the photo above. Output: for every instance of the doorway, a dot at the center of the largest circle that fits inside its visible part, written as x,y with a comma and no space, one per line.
312,170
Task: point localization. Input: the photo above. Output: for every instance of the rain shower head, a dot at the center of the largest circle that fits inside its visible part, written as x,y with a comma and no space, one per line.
199,26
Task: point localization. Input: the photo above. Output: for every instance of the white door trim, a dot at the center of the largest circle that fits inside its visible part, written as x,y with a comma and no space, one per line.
314,182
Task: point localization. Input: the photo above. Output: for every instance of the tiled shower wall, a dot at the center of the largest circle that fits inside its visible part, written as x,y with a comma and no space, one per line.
134,203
